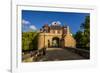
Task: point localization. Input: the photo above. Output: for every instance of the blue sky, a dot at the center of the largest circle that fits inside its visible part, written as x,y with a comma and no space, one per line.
34,20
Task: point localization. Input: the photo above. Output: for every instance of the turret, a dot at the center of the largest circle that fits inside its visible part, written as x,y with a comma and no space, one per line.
68,30
65,29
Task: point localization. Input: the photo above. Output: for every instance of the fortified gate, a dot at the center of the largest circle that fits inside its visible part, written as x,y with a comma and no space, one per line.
55,35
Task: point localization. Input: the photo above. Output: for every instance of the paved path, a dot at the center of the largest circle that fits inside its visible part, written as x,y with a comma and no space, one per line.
60,54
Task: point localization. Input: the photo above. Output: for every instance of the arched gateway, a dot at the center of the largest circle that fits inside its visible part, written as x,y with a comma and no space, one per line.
55,35
55,42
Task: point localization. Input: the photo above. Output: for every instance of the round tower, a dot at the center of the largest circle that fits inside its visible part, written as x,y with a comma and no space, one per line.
41,40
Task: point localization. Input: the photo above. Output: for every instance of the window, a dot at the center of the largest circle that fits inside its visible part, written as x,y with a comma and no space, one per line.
58,31
53,31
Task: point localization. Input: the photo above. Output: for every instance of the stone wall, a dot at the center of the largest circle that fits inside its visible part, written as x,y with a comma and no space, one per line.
69,41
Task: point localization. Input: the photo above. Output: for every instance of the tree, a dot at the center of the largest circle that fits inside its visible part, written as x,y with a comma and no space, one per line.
78,38
29,41
86,27
83,36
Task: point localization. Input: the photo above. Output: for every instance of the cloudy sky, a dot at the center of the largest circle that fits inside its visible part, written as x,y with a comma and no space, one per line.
28,26
34,20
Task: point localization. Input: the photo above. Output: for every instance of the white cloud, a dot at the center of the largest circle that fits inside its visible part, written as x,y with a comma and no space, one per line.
25,22
59,22
27,26
53,23
56,23
33,27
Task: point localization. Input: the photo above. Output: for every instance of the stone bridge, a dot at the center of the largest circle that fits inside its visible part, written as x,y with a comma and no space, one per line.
54,54
58,54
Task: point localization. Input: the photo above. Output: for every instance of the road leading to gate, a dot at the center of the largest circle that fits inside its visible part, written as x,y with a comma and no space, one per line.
60,54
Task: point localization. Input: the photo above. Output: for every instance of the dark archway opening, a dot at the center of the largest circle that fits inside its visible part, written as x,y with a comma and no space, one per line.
48,43
55,42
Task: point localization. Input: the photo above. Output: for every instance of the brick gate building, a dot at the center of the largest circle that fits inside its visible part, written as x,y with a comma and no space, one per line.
55,35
